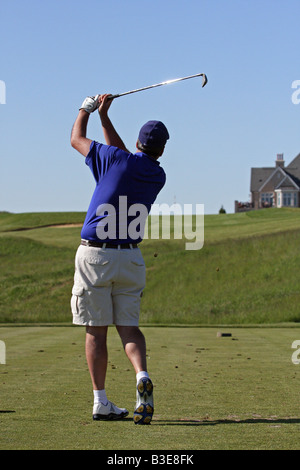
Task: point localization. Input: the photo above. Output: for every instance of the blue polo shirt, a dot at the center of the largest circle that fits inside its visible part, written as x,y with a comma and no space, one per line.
126,186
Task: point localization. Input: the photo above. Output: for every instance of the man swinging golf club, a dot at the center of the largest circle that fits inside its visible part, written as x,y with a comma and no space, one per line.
109,267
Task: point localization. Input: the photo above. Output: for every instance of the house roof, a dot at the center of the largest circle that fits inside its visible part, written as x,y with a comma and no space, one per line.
259,176
295,164
293,169
280,176
287,183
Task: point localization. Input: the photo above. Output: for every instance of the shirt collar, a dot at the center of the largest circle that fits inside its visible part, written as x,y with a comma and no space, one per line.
142,154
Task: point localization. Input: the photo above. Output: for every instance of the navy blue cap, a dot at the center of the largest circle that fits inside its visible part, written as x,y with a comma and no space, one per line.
153,135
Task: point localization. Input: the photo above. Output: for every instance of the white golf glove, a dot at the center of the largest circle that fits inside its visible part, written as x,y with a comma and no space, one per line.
90,104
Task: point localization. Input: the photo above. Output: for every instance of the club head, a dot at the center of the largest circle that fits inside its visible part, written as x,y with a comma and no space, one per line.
204,80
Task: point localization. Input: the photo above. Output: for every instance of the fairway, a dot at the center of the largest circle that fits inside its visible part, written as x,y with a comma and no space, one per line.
238,392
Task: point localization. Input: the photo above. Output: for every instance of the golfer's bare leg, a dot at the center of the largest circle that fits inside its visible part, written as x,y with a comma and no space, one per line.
135,348
134,345
96,354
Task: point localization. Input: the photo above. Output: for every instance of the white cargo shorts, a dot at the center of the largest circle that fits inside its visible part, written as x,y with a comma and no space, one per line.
108,285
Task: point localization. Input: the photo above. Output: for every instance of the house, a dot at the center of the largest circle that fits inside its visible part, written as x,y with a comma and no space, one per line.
277,186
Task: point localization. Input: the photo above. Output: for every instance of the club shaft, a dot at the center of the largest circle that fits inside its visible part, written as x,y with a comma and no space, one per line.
167,82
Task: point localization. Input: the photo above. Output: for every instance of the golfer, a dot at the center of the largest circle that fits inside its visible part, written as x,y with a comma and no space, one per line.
109,268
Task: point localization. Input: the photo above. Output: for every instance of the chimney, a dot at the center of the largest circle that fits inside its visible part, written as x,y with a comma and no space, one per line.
279,160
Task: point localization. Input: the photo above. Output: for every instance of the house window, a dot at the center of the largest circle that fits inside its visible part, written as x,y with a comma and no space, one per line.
287,198
290,199
267,199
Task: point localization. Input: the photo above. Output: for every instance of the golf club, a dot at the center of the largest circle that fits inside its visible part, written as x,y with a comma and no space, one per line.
204,81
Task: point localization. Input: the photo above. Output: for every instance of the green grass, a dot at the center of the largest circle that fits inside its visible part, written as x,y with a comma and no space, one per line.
247,224
251,280
35,281
23,221
239,392
246,273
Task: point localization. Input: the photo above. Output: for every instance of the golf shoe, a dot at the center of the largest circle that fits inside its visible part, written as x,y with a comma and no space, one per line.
108,412
144,402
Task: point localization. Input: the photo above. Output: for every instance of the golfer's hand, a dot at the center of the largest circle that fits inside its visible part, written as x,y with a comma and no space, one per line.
105,103
90,104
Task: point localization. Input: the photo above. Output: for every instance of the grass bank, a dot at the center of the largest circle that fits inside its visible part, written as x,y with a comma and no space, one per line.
246,273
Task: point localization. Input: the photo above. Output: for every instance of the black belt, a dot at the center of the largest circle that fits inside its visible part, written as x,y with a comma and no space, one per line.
123,246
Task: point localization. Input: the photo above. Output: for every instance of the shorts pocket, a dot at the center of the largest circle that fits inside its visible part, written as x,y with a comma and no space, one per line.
99,260
77,300
138,263
137,259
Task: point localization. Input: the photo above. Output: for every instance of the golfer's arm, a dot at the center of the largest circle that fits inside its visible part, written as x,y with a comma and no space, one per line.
79,140
110,134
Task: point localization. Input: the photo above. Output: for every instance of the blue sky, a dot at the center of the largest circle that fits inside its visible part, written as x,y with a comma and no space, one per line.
55,53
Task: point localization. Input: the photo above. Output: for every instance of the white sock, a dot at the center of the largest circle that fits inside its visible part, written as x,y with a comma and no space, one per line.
100,397
141,375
